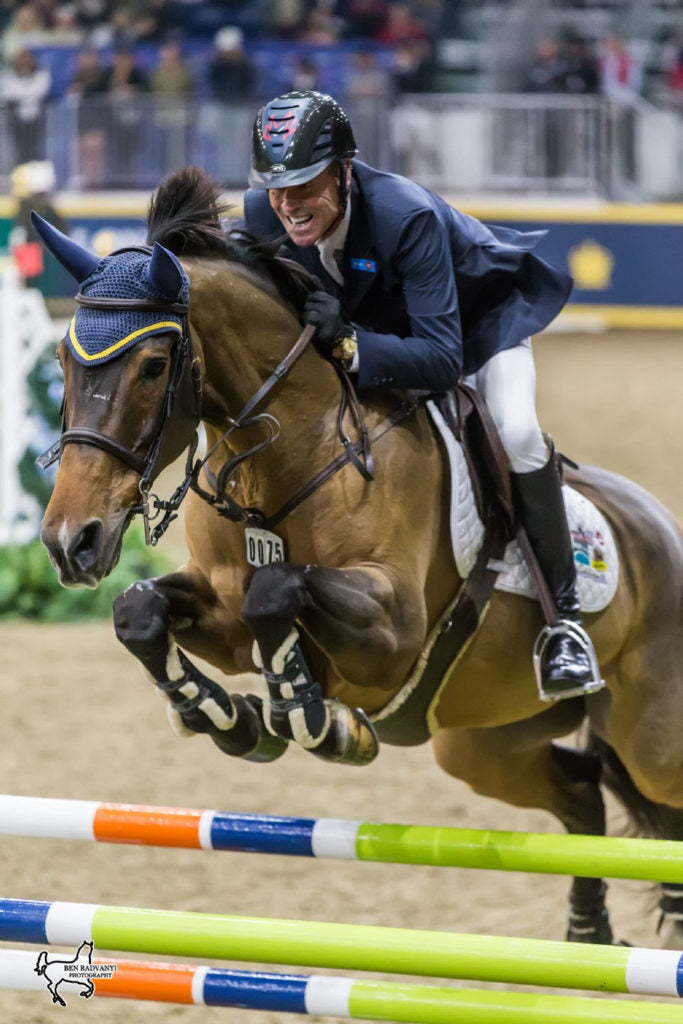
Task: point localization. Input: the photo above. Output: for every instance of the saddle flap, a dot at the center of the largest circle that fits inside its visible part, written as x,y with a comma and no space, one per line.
467,414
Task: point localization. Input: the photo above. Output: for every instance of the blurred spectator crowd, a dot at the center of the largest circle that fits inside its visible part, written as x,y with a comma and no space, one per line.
614,67
112,59
569,65
122,75
323,22
225,49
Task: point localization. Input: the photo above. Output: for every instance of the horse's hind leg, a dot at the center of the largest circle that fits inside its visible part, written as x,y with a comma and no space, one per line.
588,917
650,817
519,765
638,733
144,616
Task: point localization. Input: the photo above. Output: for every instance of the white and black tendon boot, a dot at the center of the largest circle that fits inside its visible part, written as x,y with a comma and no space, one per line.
297,710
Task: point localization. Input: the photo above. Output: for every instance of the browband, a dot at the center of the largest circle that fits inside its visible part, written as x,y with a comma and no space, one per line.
144,305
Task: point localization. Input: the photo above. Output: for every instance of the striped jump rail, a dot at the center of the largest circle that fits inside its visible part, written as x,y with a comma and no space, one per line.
345,947
651,860
335,996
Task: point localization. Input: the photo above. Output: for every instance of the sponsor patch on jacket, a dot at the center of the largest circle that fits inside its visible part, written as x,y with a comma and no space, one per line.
367,265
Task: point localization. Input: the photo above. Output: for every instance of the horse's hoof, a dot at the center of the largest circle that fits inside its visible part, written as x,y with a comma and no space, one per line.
269,747
670,932
244,733
350,738
598,931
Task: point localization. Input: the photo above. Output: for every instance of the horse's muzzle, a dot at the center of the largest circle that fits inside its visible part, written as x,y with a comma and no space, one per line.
82,557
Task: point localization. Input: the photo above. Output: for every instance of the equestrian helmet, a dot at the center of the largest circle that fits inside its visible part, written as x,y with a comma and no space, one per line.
295,137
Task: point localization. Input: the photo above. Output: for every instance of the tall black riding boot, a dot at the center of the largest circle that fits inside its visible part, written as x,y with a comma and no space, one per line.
564,657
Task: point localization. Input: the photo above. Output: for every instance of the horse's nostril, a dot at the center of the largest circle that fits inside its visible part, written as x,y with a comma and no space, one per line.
85,548
57,556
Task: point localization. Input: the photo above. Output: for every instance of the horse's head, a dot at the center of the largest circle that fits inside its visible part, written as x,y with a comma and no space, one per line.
127,365
133,394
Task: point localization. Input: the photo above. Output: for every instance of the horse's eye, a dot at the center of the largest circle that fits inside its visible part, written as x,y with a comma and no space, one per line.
152,369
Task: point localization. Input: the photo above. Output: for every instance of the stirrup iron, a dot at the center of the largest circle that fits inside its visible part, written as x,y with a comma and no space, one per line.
565,627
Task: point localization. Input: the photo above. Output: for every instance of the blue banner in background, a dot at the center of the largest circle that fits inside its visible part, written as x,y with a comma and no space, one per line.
626,260
103,235
630,264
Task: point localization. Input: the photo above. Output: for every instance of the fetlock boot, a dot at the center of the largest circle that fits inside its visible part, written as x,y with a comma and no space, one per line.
297,710
564,658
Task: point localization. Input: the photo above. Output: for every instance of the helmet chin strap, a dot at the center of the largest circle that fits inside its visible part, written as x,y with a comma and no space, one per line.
343,202
344,187
333,227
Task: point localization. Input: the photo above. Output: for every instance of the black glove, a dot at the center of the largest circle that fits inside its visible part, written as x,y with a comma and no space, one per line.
323,311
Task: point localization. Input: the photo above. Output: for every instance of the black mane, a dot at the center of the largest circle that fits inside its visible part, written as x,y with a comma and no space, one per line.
185,216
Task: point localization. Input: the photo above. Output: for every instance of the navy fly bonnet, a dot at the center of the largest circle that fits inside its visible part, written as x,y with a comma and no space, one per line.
98,335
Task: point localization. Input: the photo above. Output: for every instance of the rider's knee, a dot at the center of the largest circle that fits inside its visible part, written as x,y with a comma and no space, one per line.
524,445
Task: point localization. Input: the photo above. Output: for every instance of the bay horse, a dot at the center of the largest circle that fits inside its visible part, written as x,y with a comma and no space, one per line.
363,569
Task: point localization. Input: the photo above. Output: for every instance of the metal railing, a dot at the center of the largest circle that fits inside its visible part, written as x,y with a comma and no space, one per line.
505,143
100,143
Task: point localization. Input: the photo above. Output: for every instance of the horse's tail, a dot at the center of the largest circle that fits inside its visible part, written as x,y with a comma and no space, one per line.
41,963
646,818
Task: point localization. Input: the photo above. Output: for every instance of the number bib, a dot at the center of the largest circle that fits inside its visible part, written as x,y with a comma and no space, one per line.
263,547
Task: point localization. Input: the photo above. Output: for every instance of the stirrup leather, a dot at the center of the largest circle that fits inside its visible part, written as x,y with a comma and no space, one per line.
565,627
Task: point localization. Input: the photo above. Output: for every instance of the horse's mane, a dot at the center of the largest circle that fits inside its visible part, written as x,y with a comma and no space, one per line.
185,216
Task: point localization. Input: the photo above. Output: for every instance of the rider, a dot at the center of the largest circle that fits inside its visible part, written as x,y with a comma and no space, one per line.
419,294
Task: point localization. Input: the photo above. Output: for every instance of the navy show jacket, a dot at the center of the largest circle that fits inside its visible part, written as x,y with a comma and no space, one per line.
433,293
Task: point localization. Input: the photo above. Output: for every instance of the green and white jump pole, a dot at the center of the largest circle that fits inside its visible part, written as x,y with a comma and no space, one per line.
651,860
346,947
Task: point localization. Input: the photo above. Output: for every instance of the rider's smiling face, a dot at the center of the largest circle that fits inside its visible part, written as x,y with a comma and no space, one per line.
308,212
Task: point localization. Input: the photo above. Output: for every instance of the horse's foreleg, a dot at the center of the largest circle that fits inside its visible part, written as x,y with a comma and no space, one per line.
519,765
342,611
144,617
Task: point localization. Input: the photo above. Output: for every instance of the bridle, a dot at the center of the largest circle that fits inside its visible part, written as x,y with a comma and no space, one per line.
184,362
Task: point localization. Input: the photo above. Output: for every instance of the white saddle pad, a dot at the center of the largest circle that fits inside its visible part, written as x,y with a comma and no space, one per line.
595,551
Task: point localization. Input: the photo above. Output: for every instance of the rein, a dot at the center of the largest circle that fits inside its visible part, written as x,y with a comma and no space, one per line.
185,360
350,454
358,453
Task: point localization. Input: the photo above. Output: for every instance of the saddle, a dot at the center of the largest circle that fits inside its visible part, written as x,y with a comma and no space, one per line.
483,531
467,415
463,414
469,434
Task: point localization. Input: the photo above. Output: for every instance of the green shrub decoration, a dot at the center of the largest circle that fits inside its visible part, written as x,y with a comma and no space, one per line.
45,386
29,588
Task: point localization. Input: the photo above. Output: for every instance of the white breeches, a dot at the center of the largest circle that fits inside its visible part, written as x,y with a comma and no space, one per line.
508,384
